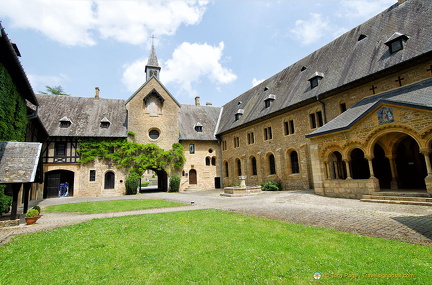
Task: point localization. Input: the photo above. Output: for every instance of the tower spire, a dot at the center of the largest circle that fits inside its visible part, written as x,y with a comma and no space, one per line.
152,68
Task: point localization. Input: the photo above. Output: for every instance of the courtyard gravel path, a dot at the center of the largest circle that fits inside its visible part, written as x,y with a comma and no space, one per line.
408,223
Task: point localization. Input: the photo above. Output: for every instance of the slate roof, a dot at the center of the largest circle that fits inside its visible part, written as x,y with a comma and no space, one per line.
85,115
19,161
418,95
349,60
192,115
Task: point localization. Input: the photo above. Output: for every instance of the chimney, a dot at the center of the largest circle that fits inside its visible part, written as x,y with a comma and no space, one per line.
209,104
97,93
197,101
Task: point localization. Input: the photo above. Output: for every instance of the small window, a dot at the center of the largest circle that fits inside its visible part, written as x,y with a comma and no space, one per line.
254,166
314,80
312,120
289,127
105,123
213,161
272,164
238,115
361,37
294,162
236,142
207,161
270,98
92,175
198,128
251,138
342,107
396,42
268,135
60,149
224,145
154,134
65,122
191,148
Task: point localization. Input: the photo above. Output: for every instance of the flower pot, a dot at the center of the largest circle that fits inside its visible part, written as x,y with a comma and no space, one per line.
31,220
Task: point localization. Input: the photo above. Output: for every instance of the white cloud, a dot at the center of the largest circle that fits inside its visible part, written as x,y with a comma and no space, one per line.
256,82
363,9
312,30
82,22
190,63
38,82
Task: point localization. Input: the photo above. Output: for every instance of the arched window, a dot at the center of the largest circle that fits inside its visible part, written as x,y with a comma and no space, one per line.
109,180
272,164
207,161
294,162
254,166
239,170
226,169
213,160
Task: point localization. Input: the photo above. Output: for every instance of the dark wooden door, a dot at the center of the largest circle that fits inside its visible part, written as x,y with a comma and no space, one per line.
192,176
52,184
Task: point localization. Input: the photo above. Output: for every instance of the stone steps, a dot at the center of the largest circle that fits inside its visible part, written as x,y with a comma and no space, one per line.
408,198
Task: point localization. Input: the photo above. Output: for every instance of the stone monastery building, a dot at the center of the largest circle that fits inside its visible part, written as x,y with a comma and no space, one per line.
352,118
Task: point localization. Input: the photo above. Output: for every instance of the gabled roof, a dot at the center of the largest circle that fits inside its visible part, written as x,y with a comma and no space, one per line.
417,95
191,116
145,83
85,115
348,61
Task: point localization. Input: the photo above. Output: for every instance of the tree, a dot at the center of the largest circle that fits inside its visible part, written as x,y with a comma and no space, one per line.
56,90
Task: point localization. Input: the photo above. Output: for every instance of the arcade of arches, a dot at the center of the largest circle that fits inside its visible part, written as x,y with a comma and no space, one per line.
394,160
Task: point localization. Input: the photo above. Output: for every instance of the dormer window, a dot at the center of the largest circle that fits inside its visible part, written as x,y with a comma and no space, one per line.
238,115
198,128
105,123
396,42
65,122
270,98
361,37
314,80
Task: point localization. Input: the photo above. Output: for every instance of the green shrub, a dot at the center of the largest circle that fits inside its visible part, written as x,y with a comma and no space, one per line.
174,184
132,183
37,208
5,200
275,185
32,213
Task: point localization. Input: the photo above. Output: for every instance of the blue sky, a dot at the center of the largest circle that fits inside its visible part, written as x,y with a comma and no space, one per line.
212,49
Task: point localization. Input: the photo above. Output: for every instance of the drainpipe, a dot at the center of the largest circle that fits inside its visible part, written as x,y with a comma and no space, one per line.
34,114
323,108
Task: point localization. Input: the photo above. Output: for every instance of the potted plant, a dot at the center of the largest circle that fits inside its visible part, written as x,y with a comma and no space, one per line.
31,216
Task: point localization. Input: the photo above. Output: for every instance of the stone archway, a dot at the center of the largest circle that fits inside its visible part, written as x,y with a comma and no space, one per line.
54,178
398,163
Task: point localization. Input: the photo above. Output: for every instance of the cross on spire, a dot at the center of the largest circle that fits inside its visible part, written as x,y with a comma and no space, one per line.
153,37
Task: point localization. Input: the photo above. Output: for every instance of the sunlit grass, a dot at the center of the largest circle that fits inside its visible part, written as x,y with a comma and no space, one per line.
207,247
112,206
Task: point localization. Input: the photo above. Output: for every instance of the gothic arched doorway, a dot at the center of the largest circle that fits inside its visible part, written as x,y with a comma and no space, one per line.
410,165
53,180
193,176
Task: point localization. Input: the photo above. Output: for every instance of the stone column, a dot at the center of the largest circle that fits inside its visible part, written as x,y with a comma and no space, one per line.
428,179
327,169
348,168
393,183
369,159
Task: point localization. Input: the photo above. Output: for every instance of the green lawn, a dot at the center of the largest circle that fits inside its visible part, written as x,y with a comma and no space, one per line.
207,247
112,206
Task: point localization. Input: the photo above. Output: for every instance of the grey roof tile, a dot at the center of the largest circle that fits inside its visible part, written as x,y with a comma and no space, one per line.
192,115
86,115
344,61
19,161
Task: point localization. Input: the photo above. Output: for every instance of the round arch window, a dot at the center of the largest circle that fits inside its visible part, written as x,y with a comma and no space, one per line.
154,134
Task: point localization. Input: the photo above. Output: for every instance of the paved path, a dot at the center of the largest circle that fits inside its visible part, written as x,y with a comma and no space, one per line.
391,221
